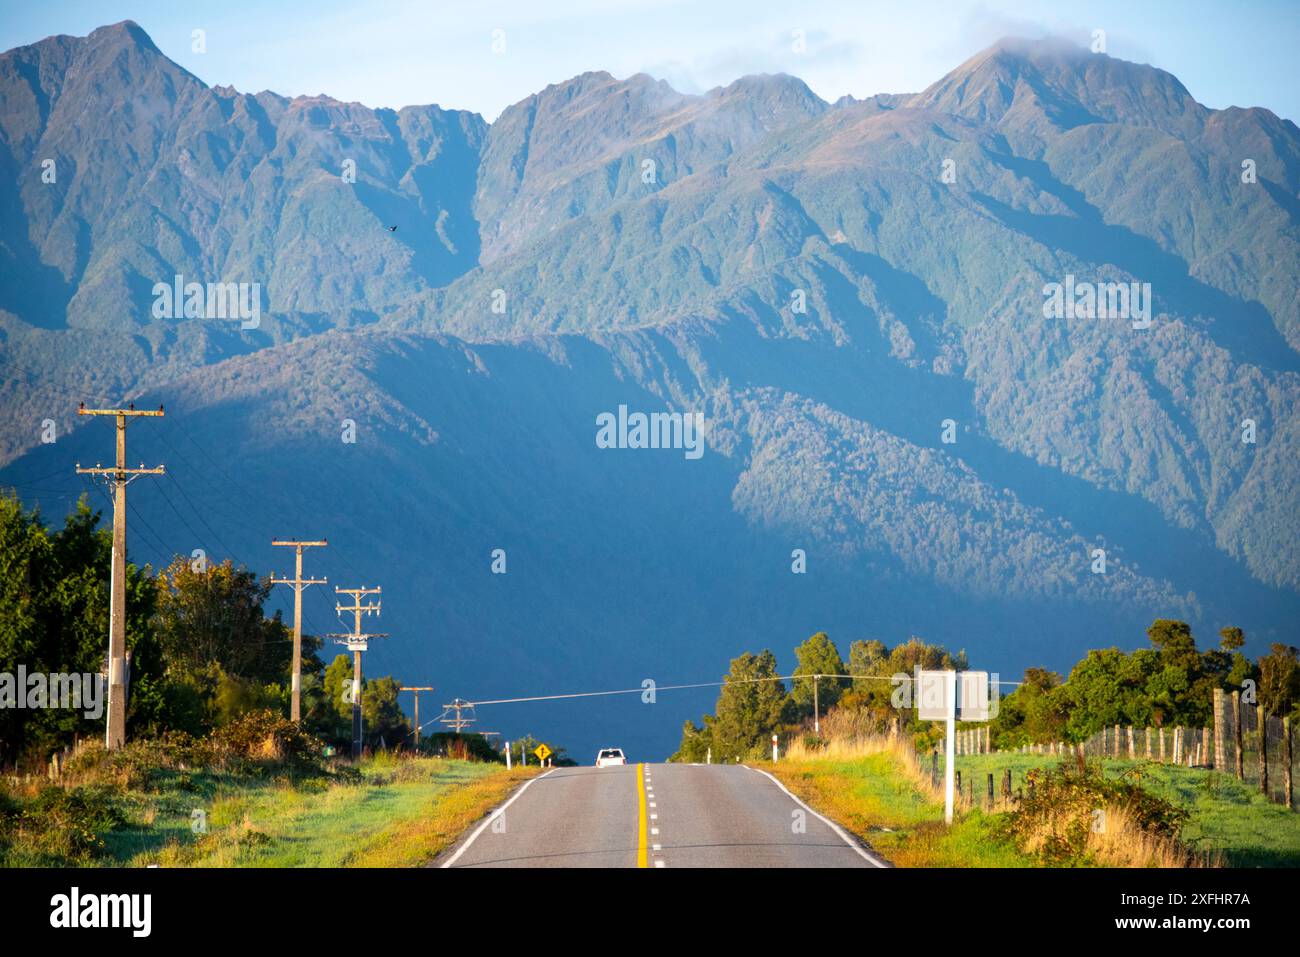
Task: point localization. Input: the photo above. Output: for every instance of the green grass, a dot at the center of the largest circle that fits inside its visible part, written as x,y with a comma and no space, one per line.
874,797
1227,816
398,813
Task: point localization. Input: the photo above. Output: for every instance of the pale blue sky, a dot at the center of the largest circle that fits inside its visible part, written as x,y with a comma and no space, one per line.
402,52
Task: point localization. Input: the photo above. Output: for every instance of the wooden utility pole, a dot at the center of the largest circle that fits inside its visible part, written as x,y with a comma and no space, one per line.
357,642
298,583
459,723
120,476
417,712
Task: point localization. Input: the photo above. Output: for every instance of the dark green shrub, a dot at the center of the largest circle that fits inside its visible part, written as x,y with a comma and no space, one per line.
1060,808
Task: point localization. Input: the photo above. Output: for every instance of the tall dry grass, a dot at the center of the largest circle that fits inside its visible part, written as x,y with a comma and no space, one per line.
1120,843
864,745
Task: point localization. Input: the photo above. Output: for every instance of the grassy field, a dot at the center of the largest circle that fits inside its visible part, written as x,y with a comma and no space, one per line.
1227,816
395,813
873,796
884,796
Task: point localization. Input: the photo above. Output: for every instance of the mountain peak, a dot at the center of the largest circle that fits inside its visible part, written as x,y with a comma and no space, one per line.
1021,82
772,87
123,32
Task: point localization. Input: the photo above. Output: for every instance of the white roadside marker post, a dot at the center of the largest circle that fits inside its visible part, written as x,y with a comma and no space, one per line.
507,755
774,749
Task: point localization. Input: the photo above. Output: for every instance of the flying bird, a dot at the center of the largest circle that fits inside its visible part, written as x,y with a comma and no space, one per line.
392,229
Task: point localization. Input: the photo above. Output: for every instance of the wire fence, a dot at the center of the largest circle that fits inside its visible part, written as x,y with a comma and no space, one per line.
1255,748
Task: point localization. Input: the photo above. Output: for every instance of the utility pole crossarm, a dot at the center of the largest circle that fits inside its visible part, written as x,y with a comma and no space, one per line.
110,470
129,410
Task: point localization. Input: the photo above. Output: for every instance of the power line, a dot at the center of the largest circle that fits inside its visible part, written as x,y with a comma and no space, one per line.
197,512
40,478
156,540
700,684
239,510
185,495
188,526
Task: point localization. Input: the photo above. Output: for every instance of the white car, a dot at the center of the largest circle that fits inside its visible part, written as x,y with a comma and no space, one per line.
610,757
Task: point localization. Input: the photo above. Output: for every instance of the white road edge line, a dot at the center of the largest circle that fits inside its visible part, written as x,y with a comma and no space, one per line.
875,861
492,814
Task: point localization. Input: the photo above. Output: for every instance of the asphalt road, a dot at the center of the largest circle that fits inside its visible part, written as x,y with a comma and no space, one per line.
656,815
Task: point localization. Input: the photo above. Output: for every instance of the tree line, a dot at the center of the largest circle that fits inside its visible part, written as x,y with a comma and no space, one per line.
203,648
1171,682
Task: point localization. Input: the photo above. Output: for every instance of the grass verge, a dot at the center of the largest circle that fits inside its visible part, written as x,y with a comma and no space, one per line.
876,790
386,812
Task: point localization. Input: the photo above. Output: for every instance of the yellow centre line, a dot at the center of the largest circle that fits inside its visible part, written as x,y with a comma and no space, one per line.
642,845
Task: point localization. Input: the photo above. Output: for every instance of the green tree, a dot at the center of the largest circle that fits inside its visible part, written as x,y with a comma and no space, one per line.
817,656
1033,713
331,715
1108,687
696,742
1231,638
210,613
54,610
751,705
1182,690
1279,680
1239,667
865,658
382,719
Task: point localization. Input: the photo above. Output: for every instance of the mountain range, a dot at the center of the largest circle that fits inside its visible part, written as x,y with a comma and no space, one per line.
852,294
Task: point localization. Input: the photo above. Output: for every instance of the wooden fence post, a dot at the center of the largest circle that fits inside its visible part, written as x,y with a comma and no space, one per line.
1220,707
1286,763
1161,731
990,790
1262,721
1239,760
1148,742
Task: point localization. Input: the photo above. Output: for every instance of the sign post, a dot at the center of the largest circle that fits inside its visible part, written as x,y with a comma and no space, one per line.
542,752
950,745
941,696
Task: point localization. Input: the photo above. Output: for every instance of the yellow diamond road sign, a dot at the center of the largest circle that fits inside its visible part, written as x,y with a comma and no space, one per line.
542,752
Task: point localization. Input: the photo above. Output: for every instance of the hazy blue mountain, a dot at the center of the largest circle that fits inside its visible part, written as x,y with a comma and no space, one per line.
613,242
